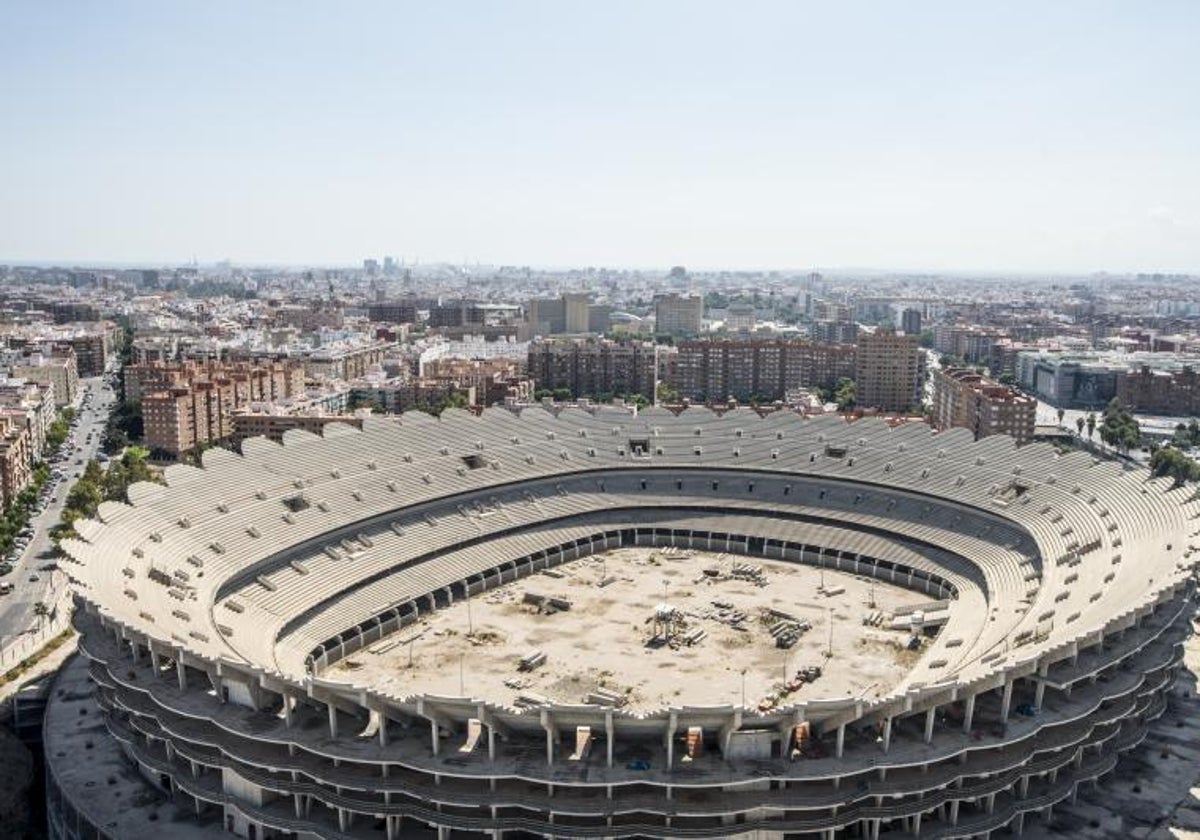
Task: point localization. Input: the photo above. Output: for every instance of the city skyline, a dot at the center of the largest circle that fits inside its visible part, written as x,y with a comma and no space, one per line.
1028,139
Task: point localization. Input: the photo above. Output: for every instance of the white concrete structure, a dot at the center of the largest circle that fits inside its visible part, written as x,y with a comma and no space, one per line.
212,607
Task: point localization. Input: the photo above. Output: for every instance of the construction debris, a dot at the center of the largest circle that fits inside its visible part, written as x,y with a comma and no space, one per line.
605,697
787,632
531,660
546,604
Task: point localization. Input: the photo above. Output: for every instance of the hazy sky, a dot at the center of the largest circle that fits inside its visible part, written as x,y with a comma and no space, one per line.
1056,136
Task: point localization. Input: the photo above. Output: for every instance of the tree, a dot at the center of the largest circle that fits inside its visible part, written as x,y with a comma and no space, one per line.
1091,424
1169,461
1079,423
666,394
845,394
42,612
1118,427
1061,414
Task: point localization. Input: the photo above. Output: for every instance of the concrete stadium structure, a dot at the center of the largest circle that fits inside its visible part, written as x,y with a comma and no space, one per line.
212,608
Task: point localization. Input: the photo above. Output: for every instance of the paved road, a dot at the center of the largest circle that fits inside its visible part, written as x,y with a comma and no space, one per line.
16,608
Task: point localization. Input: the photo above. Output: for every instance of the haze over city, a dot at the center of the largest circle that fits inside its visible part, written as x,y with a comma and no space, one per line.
1026,137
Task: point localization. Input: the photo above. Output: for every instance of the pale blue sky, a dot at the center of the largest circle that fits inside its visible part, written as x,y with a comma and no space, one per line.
1058,136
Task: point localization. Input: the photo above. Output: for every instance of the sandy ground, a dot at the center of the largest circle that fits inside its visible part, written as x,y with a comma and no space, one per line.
606,640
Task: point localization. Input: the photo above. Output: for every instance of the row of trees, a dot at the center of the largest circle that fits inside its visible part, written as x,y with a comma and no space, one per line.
59,430
17,515
98,484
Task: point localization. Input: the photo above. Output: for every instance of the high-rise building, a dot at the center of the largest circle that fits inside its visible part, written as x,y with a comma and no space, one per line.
571,313
714,371
834,332
595,367
575,306
910,321
677,315
393,312
965,399
888,371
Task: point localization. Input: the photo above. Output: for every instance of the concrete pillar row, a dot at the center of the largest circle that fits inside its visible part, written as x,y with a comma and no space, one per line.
930,716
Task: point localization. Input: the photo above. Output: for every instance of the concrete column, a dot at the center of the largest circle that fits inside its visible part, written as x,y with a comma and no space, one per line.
154,665
491,743
610,733
1018,824
383,733
954,812
672,723
969,716
916,824
991,803
341,819
548,725
1041,685
887,734
393,827
930,715
1007,700
841,739
1024,787
333,726
287,710
434,735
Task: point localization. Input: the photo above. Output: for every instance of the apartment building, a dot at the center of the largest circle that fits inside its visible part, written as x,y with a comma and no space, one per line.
185,404
269,381
1170,392
889,371
594,367
966,399
492,380
678,315
36,403
16,460
715,370
348,361
57,368
269,421
834,332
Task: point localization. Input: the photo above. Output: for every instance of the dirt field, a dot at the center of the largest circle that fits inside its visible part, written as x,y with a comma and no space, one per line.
606,640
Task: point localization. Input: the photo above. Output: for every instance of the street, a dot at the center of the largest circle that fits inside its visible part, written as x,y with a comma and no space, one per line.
17,608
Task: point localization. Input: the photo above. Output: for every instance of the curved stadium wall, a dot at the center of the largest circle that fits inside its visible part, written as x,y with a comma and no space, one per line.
212,609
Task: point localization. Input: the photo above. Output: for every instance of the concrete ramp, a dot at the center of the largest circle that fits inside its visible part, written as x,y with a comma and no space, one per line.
474,731
583,743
